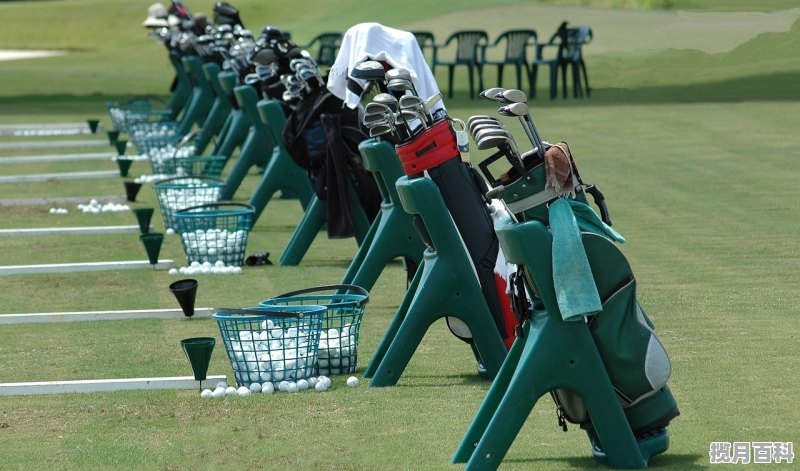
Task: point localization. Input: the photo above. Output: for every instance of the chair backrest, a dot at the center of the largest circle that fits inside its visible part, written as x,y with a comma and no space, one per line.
424,39
467,43
517,42
576,36
329,44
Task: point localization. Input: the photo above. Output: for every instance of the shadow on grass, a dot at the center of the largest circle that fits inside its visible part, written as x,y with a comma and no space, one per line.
443,380
677,461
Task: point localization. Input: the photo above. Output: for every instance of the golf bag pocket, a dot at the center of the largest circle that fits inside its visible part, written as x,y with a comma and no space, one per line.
635,359
316,143
434,146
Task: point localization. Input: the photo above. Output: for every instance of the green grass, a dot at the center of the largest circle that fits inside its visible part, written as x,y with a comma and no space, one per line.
694,150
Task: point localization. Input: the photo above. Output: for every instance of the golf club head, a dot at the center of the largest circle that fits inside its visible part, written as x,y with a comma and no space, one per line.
491,93
512,95
373,118
411,101
486,127
400,85
484,133
398,73
475,124
377,108
480,116
368,70
386,100
499,141
380,130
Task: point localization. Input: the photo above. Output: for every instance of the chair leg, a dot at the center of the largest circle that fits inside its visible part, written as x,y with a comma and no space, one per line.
500,68
519,76
480,77
577,87
563,68
585,78
553,81
533,73
471,81
450,69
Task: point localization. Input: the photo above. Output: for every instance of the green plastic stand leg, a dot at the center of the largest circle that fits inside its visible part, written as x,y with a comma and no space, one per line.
257,147
447,287
220,109
394,234
394,325
237,128
183,88
202,96
281,172
556,354
314,219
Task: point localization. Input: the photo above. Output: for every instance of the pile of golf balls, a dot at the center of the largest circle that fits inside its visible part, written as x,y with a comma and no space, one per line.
193,194
151,178
95,207
274,353
58,211
206,268
319,384
215,244
337,350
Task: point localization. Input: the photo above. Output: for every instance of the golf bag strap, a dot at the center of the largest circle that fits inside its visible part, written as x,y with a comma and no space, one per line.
431,148
531,201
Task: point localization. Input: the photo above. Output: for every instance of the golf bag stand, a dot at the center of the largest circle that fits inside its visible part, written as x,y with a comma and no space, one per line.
445,285
392,234
220,109
281,172
609,371
257,147
202,96
237,126
181,90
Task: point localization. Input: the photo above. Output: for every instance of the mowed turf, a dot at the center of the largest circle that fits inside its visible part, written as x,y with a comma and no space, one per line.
698,169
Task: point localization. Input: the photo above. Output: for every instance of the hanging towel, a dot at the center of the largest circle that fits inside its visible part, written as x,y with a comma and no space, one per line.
574,285
589,221
373,41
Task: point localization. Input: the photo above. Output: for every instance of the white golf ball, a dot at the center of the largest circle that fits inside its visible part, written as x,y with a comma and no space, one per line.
173,271
222,384
267,388
352,381
230,390
170,231
207,393
321,386
292,388
324,379
255,387
283,385
243,391
302,384
312,381
219,392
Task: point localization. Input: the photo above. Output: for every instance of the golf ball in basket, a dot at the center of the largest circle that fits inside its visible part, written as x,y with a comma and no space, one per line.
352,381
207,393
255,387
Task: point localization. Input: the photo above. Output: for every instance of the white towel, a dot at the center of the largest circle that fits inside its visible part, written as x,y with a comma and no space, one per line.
373,41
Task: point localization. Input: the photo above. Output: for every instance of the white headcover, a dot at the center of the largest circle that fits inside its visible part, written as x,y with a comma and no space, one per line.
373,41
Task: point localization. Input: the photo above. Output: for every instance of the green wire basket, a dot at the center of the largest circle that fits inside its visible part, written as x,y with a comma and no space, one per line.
215,232
177,193
338,347
271,343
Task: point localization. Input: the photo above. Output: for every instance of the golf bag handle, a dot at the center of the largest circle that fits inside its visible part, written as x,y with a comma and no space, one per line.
346,287
600,201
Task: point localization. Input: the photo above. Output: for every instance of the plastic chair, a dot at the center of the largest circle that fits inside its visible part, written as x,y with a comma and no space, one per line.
568,44
328,47
466,54
426,40
515,53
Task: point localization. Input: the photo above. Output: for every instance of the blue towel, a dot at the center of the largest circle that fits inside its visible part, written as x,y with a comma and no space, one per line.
576,292
589,221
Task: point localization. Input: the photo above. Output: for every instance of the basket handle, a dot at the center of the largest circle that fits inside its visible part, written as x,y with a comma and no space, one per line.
256,312
331,287
218,203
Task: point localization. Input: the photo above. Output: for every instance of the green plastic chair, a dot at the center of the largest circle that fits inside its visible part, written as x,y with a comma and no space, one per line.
426,40
202,96
467,44
327,47
446,287
515,44
281,172
257,147
392,233
558,55
553,354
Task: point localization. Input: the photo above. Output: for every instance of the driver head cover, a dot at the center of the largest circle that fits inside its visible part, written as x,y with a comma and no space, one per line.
156,16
